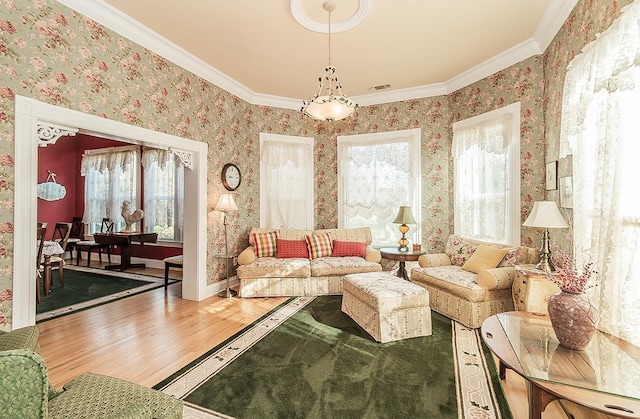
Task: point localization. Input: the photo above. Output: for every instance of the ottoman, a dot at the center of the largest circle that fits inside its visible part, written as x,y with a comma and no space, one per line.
387,307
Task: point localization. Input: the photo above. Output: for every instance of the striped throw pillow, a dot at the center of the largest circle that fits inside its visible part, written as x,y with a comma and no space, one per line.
319,245
265,243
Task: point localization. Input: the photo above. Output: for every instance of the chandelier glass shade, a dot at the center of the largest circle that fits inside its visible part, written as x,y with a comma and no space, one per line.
329,104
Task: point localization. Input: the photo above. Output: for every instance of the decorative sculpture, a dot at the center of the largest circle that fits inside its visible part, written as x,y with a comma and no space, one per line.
130,218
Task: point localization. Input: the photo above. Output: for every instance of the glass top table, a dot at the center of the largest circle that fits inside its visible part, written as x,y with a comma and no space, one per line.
608,365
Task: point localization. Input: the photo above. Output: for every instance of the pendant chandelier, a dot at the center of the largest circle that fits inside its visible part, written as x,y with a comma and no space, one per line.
329,104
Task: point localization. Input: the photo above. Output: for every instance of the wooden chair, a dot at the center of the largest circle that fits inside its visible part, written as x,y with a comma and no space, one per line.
61,234
40,232
171,262
75,235
89,245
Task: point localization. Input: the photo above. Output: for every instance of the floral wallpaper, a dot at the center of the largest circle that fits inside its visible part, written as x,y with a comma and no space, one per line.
55,55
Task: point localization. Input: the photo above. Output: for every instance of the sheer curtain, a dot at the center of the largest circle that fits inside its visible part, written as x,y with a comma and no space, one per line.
600,128
110,178
286,182
163,193
486,197
377,174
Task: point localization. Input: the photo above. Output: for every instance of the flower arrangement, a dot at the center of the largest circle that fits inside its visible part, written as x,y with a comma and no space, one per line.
568,277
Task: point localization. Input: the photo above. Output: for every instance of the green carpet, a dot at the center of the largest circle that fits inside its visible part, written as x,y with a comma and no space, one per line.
319,363
84,289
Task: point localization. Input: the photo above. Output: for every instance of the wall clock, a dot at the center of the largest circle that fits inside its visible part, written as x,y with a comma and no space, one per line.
231,177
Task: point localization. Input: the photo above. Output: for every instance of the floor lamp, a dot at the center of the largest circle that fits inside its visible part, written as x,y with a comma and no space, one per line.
545,214
226,204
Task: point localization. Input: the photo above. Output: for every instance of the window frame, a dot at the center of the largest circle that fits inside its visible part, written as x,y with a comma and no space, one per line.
513,197
305,143
415,187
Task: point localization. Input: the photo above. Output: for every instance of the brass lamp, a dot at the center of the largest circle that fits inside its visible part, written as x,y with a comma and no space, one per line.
226,204
404,217
545,214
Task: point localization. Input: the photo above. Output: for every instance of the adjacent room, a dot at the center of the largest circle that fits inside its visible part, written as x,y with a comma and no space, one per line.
311,208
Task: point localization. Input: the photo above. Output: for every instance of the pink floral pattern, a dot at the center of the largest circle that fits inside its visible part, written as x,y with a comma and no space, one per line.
58,56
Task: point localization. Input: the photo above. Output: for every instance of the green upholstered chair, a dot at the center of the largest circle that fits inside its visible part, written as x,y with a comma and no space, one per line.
25,391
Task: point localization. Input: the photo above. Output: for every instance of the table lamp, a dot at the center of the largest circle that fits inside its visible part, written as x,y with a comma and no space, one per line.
226,204
545,214
404,217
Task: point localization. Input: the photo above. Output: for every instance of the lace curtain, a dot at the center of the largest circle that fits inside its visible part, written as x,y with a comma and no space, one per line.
163,193
378,176
599,127
482,178
286,179
110,179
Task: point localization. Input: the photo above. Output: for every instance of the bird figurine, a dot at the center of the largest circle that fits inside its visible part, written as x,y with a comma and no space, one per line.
130,218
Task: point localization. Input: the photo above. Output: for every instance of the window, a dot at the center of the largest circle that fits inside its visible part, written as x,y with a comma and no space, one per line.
286,182
600,128
163,193
486,176
377,173
111,177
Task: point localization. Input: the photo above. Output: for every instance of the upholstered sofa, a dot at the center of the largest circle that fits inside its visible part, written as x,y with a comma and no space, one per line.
304,262
25,391
471,280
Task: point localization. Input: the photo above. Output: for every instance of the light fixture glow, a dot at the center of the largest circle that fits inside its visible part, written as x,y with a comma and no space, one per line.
329,104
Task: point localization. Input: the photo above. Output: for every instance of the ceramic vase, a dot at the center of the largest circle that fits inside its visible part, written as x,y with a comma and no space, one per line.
573,319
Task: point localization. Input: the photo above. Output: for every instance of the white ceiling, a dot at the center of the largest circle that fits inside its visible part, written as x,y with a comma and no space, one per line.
257,50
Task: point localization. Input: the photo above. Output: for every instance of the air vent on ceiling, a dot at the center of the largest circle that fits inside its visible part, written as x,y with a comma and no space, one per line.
380,87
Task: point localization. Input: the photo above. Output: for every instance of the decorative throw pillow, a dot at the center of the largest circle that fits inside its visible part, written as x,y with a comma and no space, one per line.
485,257
265,243
341,248
319,245
292,249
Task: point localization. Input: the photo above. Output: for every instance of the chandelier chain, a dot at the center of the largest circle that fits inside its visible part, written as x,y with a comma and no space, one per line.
329,38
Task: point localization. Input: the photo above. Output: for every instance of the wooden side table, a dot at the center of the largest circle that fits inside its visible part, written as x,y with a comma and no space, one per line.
531,289
393,253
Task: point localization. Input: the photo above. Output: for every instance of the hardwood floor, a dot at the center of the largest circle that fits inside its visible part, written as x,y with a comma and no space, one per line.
147,337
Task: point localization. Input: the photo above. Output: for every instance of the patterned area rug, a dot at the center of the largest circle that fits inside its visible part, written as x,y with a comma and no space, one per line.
89,287
308,359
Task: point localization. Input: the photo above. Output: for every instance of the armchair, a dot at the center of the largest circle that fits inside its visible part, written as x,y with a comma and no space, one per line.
25,391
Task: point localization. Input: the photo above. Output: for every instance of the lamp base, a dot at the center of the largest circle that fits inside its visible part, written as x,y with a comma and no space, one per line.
227,293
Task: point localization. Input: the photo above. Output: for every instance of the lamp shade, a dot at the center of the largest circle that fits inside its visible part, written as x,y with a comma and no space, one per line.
404,216
545,214
226,203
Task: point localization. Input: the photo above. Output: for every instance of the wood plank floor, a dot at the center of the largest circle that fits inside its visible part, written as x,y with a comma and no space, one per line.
149,336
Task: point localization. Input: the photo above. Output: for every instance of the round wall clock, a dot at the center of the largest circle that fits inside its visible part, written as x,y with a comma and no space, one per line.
231,177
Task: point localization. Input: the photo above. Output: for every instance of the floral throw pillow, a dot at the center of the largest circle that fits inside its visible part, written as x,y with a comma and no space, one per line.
459,250
319,245
266,243
342,248
292,249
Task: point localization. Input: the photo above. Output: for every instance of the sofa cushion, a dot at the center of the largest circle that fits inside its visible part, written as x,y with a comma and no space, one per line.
483,258
452,279
292,249
360,234
319,245
265,243
331,266
459,249
282,234
272,267
342,248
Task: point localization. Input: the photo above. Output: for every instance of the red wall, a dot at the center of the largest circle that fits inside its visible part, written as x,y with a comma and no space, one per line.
64,158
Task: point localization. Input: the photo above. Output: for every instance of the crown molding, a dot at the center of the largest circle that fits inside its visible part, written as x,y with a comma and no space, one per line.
114,19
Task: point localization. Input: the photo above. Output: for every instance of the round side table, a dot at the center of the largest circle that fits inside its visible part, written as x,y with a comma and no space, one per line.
393,253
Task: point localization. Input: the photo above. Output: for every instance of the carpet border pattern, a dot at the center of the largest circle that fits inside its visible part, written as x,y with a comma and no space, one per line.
476,394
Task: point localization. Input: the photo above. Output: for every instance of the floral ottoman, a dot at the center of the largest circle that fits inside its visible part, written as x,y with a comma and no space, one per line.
387,307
